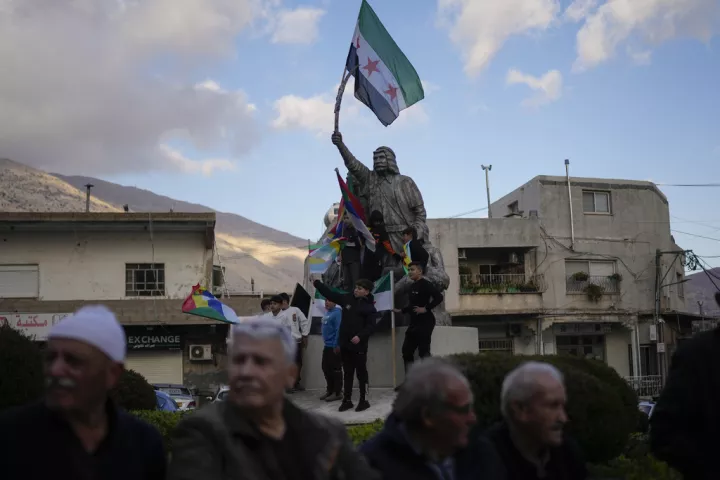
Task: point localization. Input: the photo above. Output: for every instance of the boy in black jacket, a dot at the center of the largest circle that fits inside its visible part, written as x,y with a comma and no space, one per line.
423,298
356,326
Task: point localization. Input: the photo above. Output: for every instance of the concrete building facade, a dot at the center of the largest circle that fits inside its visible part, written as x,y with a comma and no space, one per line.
141,265
538,279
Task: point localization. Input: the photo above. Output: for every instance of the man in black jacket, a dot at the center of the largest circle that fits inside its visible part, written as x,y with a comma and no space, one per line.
356,326
426,437
685,424
423,298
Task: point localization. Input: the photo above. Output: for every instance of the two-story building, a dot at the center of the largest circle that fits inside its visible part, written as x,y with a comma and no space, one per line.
569,266
141,265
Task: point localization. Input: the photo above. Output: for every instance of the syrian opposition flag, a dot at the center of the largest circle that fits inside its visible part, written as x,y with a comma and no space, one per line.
382,292
355,213
385,80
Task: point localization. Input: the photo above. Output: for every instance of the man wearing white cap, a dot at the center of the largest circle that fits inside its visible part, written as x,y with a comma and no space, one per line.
77,432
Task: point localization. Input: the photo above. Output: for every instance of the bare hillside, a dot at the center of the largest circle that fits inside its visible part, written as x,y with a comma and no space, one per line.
247,249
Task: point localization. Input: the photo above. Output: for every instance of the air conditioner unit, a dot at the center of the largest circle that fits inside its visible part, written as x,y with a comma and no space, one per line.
461,254
200,352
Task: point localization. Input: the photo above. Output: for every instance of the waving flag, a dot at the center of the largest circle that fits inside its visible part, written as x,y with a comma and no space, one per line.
320,259
351,204
385,80
204,304
382,292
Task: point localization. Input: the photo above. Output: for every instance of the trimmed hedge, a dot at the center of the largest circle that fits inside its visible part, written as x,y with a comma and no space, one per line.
134,392
164,421
21,369
598,413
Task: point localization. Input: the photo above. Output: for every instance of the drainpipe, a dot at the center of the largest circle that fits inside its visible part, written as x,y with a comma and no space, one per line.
572,223
87,196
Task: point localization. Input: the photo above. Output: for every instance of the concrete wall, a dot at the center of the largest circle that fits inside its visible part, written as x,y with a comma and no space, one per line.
91,265
445,341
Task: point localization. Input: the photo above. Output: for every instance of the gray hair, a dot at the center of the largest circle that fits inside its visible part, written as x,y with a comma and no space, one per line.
521,384
262,328
425,390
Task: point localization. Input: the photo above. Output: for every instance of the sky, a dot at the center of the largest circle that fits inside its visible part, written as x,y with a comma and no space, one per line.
229,103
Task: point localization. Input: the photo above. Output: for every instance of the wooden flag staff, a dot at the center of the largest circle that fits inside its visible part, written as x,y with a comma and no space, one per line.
338,100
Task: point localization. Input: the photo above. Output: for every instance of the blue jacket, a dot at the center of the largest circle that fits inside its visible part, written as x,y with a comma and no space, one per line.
390,453
331,327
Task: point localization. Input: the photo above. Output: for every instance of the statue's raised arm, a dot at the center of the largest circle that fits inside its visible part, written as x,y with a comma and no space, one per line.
354,166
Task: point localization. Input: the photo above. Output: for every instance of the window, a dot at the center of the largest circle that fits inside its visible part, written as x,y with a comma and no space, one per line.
600,273
19,281
583,346
513,208
145,280
591,267
218,278
596,202
680,285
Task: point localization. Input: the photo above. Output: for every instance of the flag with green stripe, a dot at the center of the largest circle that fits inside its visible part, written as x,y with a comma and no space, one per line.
385,80
382,293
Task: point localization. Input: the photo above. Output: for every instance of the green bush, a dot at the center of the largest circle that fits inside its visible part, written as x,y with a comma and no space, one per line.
21,369
595,408
134,392
646,467
164,421
359,434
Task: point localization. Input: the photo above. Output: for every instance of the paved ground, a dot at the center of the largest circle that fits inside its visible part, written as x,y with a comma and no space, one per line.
380,405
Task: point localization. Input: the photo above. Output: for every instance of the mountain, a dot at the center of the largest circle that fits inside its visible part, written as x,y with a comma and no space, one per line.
247,249
700,288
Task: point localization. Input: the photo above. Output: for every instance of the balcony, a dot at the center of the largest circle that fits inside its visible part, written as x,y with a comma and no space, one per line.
646,386
592,284
501,284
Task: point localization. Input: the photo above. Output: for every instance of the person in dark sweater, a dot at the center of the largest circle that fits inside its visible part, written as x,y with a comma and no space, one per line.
357,324
374,262
530,440
423,298
77,431
427,435
351,256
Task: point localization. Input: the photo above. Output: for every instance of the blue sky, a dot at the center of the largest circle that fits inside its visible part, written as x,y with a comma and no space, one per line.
631,96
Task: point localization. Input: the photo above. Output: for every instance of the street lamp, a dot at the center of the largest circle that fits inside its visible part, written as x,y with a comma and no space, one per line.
487,185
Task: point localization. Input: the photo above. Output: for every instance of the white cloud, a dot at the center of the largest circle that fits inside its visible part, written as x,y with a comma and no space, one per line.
88,95
579,9
429,87
640,57
548,88
298,26
480,28
651,21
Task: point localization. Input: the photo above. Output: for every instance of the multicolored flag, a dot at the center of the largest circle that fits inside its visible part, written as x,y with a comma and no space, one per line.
320,259
407,259
385,80
351,204
204,304
382,292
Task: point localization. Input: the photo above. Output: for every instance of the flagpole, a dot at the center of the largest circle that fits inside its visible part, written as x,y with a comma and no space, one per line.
392,326
338,99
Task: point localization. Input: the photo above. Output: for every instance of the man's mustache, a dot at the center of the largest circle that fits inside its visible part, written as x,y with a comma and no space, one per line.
60,382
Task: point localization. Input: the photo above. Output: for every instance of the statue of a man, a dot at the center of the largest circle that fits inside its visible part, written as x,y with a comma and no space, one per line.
384,189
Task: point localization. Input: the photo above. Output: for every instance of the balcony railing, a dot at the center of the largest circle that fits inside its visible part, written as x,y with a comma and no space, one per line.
646,386
574,284
501,283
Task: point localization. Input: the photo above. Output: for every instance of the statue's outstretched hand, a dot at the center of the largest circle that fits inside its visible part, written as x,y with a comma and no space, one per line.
337,139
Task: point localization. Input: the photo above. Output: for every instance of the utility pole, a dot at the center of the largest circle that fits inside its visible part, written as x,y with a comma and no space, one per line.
88,187
656,309
487,185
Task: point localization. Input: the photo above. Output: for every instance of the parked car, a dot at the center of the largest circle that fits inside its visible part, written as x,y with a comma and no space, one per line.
180,393
165,402
647,407
221,395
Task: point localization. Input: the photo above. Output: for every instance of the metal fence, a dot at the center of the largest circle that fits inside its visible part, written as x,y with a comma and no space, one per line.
608,284
501,283
646,386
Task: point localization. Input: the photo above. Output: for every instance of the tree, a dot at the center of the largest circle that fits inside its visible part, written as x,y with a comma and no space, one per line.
21,368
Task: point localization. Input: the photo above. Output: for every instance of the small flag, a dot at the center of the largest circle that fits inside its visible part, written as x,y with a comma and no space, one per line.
321,258
408,258
382,293
354,215
204,304
385,80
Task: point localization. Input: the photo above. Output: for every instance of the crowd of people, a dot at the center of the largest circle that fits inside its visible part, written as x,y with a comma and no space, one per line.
77,432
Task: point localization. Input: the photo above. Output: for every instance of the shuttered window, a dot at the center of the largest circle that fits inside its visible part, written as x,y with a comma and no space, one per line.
19,281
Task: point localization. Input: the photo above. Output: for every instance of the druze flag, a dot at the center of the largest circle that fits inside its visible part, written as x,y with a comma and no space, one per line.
385,80
382,292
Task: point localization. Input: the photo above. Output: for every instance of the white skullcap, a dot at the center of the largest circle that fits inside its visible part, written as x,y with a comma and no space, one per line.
95,325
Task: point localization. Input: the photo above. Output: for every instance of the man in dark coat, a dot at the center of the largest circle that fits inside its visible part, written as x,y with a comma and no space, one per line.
531,441
426,437
357,324
685,424
257,433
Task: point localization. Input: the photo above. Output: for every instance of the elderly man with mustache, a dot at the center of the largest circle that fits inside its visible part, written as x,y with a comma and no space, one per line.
76,431
531,441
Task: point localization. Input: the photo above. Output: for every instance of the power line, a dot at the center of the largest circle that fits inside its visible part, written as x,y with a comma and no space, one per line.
688,184
695,235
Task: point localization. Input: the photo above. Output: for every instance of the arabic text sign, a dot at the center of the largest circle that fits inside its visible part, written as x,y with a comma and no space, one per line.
33,324
154,341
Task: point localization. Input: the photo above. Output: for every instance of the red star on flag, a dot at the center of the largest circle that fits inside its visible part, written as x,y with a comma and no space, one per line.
391,91
371,67
357,43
